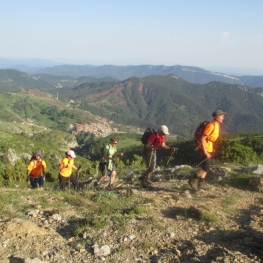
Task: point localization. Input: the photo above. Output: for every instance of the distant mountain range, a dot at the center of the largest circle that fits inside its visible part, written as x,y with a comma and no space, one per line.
151,100
156,100
191,74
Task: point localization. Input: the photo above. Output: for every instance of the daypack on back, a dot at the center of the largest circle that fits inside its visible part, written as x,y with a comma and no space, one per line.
146,135
200,131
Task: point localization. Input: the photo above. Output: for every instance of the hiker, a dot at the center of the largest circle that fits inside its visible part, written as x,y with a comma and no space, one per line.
153,142
206,149
108,163
36,171
65,172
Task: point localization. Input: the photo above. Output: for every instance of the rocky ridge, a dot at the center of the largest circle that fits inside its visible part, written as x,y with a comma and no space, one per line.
172,231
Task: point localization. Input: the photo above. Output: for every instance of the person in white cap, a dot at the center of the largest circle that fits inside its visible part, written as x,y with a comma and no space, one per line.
65,171
154,141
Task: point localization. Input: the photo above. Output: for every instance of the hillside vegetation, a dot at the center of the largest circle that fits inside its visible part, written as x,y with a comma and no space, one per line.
139,102
167,222
170,100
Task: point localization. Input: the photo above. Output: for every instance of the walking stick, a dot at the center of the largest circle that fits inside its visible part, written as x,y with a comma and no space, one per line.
203,161
197,166
172,153
78,172
68,177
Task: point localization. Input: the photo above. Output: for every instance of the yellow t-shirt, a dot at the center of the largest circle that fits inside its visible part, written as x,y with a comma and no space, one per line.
212,132
68,171
36,168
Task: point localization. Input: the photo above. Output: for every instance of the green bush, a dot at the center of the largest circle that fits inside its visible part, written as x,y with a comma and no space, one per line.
238,153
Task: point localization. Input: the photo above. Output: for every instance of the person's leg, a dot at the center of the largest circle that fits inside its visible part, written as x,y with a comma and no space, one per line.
197,181
150,161
33,182
112,179
202,174
113,175
74,181
40,182
63,181
103,170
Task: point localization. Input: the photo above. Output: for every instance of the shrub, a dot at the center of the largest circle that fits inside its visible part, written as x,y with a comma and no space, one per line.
238,153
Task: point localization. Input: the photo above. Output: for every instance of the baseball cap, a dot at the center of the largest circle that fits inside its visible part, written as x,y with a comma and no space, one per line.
218,113
164,129
71,153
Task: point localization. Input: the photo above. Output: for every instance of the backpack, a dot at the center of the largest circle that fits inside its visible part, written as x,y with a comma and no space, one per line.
200,131
147,134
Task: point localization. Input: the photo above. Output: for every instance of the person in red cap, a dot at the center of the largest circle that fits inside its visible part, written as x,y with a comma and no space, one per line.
206,147
154,141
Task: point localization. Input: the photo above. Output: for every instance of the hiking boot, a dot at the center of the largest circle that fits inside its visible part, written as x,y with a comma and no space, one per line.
193,183
147,180
97,186
142,181
110,187
202,185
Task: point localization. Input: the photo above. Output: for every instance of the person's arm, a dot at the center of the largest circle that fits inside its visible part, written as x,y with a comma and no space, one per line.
29,169
166,147
203,141
76,168
64,166
208,130
44,166
106,156
28,176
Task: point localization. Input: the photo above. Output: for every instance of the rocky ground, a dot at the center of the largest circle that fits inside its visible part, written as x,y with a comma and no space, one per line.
229,228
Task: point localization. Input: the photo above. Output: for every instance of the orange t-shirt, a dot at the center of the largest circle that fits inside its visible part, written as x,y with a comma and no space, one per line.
36,168
212,132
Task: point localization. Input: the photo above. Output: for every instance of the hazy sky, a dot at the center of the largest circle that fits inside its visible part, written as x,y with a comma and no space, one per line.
132,32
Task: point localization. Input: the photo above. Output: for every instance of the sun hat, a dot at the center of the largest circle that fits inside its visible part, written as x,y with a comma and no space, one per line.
164,129
71,154
38,153
218,113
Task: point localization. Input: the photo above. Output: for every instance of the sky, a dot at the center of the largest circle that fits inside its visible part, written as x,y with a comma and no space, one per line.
203,33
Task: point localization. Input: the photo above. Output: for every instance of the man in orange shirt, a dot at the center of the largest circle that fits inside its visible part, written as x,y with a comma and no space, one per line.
206,147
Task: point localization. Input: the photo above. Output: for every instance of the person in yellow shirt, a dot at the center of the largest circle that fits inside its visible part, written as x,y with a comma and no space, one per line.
206,147
36,171
65,171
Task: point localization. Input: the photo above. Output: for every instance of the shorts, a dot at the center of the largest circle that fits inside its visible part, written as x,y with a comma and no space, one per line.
103,167
206,162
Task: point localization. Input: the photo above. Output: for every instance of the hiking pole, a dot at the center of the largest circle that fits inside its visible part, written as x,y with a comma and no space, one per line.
68,179
197,166
172,153
78,172
203,161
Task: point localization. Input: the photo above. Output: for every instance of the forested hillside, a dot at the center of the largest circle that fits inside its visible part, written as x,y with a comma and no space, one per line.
139,102
170,100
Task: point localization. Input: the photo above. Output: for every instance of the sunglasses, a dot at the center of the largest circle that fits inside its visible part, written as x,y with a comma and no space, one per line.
114,142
